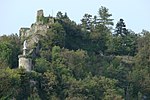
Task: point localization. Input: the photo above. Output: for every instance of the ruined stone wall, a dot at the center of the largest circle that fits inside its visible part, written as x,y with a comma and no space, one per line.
24,32
25,62
39,17
41,28
41,25
40,13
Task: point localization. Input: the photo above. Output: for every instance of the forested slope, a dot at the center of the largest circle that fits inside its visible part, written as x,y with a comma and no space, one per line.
87,61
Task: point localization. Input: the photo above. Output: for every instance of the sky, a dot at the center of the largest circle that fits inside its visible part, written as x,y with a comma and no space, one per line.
15,14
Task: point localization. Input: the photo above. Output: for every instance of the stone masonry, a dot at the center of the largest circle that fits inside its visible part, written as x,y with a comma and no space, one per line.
38,26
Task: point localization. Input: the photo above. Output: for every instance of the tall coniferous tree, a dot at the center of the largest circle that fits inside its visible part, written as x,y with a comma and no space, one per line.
124,40
86,22
102,30
105,17
121,28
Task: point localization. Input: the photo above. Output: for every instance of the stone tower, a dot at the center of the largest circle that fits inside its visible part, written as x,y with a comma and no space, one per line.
40,13
39,17
24,32
25,61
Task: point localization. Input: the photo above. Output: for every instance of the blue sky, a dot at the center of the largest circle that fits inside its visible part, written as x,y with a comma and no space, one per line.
15,14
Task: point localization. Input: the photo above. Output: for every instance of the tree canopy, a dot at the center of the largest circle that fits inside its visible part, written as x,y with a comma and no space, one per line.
86,61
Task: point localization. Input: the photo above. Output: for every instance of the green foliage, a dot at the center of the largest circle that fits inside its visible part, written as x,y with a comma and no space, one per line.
24,85
6,52
59,34
121,28
139,76
58,63
143,55
41,65
59,15
105,16
75,61
10,48
18,84
139,79
86,22
49,85
98,30
93,88
124,44
73,37
9,84
54,36
78,62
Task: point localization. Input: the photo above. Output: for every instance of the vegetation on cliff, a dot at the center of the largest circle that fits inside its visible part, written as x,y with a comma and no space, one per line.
87,61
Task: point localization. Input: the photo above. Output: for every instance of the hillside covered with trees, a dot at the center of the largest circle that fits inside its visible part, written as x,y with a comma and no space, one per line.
87,61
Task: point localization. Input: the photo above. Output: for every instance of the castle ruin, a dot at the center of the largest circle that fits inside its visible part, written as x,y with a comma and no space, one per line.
30,46
41,25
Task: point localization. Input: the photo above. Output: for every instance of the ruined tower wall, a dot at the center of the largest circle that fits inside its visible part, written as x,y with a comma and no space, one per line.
39,25
24,32
40,13
39,17
25,63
